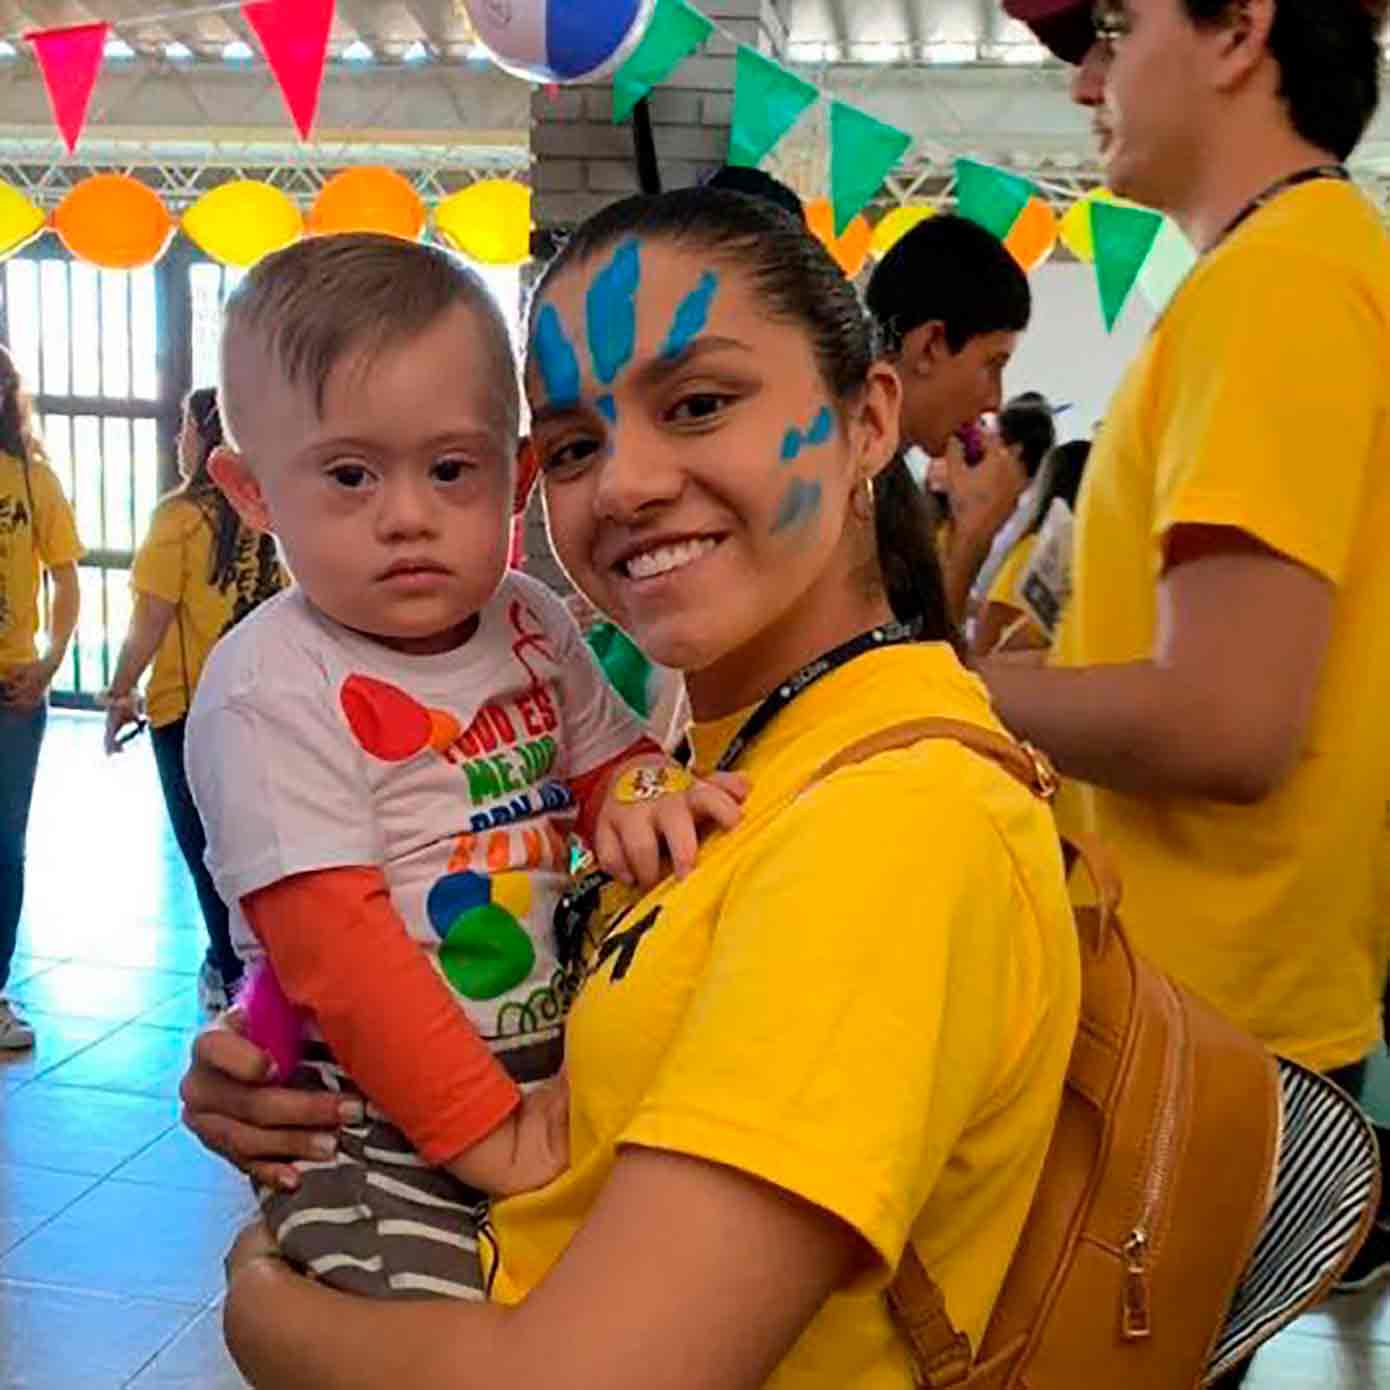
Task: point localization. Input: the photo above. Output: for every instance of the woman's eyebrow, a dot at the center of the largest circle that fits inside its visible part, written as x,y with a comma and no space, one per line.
658,369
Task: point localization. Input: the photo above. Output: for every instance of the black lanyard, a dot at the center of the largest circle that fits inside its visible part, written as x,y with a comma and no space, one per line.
1318,171
577,907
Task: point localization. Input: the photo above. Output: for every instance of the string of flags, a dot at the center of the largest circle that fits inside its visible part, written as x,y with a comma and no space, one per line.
293,35
1128,246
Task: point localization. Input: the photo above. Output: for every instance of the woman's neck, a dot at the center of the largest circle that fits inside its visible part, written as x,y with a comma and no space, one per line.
751,673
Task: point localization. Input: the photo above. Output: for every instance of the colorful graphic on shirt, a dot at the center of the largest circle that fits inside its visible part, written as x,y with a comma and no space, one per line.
531,637
484,949
391,725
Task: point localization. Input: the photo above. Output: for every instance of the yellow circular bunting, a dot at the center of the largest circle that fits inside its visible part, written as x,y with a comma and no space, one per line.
240,222
489,222
20,220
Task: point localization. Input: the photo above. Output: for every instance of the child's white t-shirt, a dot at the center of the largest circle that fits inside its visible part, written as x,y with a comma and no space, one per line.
310,747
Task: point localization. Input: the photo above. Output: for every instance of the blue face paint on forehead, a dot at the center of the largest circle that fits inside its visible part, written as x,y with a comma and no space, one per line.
611,312
556,358
691,315
608,408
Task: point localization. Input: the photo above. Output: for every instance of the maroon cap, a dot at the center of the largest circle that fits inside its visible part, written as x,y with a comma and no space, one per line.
1064,26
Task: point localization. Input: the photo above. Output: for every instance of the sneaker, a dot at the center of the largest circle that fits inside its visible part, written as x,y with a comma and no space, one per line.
213,997
1372,1262
16,1032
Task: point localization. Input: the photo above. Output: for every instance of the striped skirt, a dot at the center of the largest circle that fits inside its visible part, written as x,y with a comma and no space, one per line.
376,1219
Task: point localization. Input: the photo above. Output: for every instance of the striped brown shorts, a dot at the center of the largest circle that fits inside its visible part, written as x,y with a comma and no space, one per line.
376,1219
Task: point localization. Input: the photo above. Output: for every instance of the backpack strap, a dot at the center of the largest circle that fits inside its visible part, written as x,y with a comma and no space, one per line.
941,1353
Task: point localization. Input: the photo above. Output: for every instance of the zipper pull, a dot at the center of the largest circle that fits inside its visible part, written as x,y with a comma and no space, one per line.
1135,1319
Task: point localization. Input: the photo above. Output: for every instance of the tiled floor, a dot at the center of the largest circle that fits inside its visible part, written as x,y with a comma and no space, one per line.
112,1221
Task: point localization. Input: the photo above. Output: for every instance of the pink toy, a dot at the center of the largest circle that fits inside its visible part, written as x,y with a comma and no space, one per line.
273,1023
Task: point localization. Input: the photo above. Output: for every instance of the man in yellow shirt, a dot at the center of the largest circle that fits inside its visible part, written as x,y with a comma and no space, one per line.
1219,678
37,533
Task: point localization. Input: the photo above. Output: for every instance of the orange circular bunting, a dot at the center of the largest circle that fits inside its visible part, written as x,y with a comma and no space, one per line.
850,250
369,199
114,221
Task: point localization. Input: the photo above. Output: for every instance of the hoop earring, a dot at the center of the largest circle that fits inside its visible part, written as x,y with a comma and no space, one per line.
864,499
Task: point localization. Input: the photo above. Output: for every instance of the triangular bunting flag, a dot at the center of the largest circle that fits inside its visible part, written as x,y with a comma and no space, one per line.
1123,238
992,197
1166,266
768,102
70,60
863,152
675,32
294,37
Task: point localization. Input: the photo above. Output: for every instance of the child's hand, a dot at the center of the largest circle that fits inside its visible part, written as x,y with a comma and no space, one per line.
656,807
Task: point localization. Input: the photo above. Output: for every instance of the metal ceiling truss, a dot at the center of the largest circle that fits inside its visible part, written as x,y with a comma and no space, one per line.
182,173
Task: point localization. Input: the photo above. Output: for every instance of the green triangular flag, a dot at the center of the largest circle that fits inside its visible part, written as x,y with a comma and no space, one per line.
675,32
992,197
768,102
1166,266
1123,238
863,152
628,671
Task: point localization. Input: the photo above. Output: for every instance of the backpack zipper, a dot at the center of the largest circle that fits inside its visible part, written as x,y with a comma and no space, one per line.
1137,1249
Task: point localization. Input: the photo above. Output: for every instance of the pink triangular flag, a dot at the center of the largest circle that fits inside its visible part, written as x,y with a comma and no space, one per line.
70,60
294,36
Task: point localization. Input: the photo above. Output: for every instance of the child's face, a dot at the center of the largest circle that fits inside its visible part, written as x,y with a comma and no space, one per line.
393,505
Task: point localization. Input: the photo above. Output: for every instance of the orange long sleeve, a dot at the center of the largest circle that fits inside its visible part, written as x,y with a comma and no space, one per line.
341,951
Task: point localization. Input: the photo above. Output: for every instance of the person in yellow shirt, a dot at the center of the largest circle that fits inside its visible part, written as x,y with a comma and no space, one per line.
197,574
1004,623
1219,678
38,536
845,1030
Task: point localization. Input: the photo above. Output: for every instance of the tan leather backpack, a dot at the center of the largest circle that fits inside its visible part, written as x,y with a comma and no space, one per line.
1157,1183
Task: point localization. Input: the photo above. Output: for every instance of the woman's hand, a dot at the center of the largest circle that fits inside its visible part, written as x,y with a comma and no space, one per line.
26,687
120,711
259,1128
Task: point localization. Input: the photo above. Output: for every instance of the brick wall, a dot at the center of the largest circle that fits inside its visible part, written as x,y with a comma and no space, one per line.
581,161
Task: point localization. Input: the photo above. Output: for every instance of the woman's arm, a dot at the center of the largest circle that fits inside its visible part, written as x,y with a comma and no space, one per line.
148,624
686,1275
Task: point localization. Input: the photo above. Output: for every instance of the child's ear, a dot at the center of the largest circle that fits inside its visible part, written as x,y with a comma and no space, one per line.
240,486
528,468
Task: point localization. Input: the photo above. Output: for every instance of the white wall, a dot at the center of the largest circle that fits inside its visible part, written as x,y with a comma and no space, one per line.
1067,354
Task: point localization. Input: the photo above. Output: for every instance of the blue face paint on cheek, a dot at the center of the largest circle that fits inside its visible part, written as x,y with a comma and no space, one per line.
558,363
800,505
821,427
791,446
611,309
691,315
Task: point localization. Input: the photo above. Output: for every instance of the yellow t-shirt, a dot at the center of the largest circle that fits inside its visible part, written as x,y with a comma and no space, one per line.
172,564
866,996
1261,401
1009,581
24,547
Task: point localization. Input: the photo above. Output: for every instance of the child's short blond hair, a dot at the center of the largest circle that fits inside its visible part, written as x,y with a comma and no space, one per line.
311,304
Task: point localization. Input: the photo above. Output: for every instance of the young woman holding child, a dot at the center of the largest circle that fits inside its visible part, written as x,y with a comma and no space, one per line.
846,1029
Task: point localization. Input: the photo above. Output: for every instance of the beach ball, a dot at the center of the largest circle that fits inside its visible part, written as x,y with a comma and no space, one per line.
560,40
